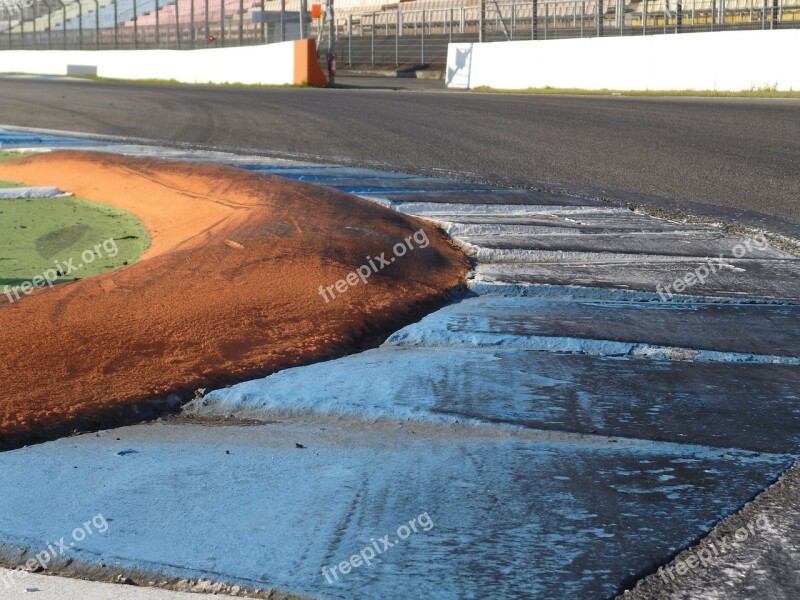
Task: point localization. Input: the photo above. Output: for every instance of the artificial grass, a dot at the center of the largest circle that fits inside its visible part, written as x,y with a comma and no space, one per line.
153,81
43,236
762,92
7,156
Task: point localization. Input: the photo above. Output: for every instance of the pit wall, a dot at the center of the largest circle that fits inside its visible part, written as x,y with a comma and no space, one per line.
723,61
287,63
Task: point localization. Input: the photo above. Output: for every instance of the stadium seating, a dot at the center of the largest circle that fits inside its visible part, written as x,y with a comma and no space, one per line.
184,11
125,13
557,13
72,8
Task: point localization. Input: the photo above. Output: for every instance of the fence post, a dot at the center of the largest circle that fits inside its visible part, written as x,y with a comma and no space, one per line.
599,18
331,38
116,27
177,26
350,40
96,26
80,26
714,13
241,22
158,27
534,19
192,28
262,29
546,18
283,20
644,17
222,23
49,28
423,38
372,41
397,38
481,20
303,33
451,25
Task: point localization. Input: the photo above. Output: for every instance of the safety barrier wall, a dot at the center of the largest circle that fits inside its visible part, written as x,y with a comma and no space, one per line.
274,64
722,61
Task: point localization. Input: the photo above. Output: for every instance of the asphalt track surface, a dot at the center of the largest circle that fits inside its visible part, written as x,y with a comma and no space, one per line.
740,154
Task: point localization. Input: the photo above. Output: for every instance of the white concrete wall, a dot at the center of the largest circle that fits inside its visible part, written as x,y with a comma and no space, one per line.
266,64
729,61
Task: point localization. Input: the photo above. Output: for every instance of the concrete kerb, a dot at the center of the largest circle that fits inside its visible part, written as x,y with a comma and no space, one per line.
78,567
644,204
762,559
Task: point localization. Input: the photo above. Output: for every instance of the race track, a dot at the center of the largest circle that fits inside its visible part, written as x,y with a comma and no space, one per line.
732,152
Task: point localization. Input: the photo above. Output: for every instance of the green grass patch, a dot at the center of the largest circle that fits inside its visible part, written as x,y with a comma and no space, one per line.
176,82
760,92
183,83
54,235
8,184
7,156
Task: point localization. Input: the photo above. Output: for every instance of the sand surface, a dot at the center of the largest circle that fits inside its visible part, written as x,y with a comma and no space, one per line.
229,289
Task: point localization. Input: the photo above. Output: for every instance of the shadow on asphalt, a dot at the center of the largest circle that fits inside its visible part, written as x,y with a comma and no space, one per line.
375,82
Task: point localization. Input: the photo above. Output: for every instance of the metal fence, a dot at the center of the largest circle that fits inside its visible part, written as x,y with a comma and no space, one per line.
415,32
405,36
144,24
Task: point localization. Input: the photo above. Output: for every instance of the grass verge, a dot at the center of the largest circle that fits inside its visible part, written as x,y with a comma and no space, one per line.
171,81
7,156
765,92
41,234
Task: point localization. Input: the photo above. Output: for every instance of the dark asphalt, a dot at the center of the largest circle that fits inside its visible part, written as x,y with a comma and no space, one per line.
735,153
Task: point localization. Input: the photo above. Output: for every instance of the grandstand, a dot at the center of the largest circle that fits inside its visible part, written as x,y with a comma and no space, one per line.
373,32
121,12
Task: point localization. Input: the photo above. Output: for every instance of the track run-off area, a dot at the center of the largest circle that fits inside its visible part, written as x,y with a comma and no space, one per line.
566,426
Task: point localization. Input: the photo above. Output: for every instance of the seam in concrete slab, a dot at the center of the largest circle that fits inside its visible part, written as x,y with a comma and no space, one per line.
656,586
590,346
479,287
143,574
